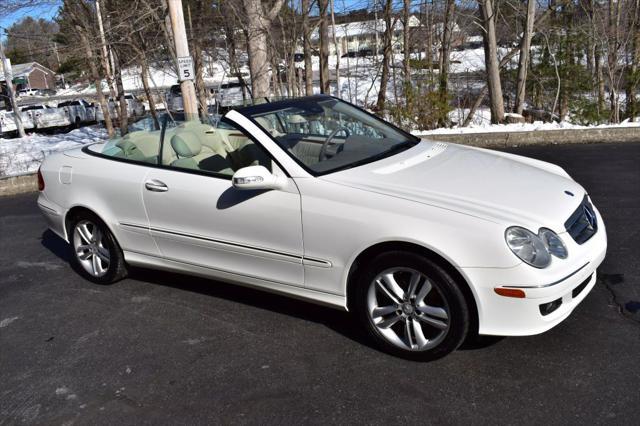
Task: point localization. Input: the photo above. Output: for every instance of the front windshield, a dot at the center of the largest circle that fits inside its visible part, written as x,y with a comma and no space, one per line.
325,134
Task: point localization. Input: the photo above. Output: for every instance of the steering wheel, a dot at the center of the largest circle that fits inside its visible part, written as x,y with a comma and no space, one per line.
323,151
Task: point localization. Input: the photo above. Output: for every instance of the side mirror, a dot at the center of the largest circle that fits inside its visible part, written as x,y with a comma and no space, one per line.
257,177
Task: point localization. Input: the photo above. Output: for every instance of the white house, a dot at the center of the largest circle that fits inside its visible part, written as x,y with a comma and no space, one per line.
365,35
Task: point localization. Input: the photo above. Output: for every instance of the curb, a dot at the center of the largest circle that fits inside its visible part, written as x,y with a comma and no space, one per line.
540,137
18,184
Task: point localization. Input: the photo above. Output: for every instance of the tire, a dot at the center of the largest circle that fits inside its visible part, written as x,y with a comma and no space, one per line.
96,253
425,297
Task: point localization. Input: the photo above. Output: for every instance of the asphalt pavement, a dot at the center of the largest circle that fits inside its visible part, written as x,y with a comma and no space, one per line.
162,348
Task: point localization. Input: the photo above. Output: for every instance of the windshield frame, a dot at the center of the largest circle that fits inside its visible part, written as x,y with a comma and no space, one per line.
248,111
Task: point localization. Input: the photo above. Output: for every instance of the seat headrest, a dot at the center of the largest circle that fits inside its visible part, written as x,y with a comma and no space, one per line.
186,144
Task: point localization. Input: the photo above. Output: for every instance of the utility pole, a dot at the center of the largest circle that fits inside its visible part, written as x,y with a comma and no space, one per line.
55,49
185,62
8,76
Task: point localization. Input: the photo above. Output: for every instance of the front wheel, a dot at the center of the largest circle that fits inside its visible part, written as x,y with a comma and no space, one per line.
96,254
411,307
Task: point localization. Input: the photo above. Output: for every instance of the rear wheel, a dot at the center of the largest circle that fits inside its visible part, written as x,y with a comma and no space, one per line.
411,306
96,254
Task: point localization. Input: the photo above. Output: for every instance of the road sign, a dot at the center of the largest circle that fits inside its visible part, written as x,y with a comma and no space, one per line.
185,68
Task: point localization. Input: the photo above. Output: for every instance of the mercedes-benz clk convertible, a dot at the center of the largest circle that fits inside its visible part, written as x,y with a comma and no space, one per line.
425,243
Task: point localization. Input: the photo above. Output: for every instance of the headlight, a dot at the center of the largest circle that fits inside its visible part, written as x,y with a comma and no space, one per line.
554,244
527,246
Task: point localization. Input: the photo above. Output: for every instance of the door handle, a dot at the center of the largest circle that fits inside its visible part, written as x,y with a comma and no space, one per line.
156,186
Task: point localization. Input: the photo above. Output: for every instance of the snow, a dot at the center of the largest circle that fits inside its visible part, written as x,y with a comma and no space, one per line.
482,124
23,155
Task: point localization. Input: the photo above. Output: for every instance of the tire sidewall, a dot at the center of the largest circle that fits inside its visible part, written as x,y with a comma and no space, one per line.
117,267
458,309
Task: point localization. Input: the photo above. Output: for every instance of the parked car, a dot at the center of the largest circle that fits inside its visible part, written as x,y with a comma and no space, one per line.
8,123
223,95
424,242
135,108
27,92
45,117
79,111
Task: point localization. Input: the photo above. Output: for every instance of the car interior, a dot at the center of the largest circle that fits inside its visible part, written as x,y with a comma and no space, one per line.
192,145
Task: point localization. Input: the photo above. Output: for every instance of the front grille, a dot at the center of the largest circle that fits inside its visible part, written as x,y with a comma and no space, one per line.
582,224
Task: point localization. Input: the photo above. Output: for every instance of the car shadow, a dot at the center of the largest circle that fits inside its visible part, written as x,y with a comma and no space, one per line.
338,321
232,197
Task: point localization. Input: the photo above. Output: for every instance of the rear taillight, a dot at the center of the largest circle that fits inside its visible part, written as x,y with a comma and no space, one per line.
40,181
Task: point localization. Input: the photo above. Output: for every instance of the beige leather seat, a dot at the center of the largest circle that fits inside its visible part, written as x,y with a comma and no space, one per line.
198,146
188,146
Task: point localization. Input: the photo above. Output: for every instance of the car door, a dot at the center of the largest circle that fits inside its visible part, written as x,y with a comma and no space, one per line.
197,217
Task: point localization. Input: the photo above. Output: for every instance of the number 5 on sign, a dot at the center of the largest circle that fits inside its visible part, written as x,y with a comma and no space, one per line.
185,68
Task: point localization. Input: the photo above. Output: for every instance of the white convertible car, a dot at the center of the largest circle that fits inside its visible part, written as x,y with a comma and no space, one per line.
314,198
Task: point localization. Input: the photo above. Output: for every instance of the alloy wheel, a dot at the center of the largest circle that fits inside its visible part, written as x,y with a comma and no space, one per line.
407,309
90,249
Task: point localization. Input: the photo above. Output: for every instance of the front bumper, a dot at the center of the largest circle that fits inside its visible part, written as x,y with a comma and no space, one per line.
567,280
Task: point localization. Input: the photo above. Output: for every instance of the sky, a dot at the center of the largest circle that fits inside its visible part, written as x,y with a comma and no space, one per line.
46,12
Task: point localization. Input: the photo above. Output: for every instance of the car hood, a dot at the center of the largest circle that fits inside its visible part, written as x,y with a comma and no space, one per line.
495,186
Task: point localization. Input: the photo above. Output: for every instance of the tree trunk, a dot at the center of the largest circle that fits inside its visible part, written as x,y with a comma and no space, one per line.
429,48
144,74
97,81
406,41
386,57
337,49
234,67
523,61
198,61
324,47
306,46
487,13
633,77
443,81
123,115
258,24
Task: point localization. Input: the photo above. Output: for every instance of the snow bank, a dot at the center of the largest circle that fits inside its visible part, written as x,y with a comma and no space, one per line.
486,127
24,155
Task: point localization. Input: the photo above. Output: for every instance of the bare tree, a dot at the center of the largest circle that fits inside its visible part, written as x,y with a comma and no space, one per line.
258,25
634,69
406,39
195,34
445,54
324,46
386,56
488,15
337,48
523,60
306,47
79,16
